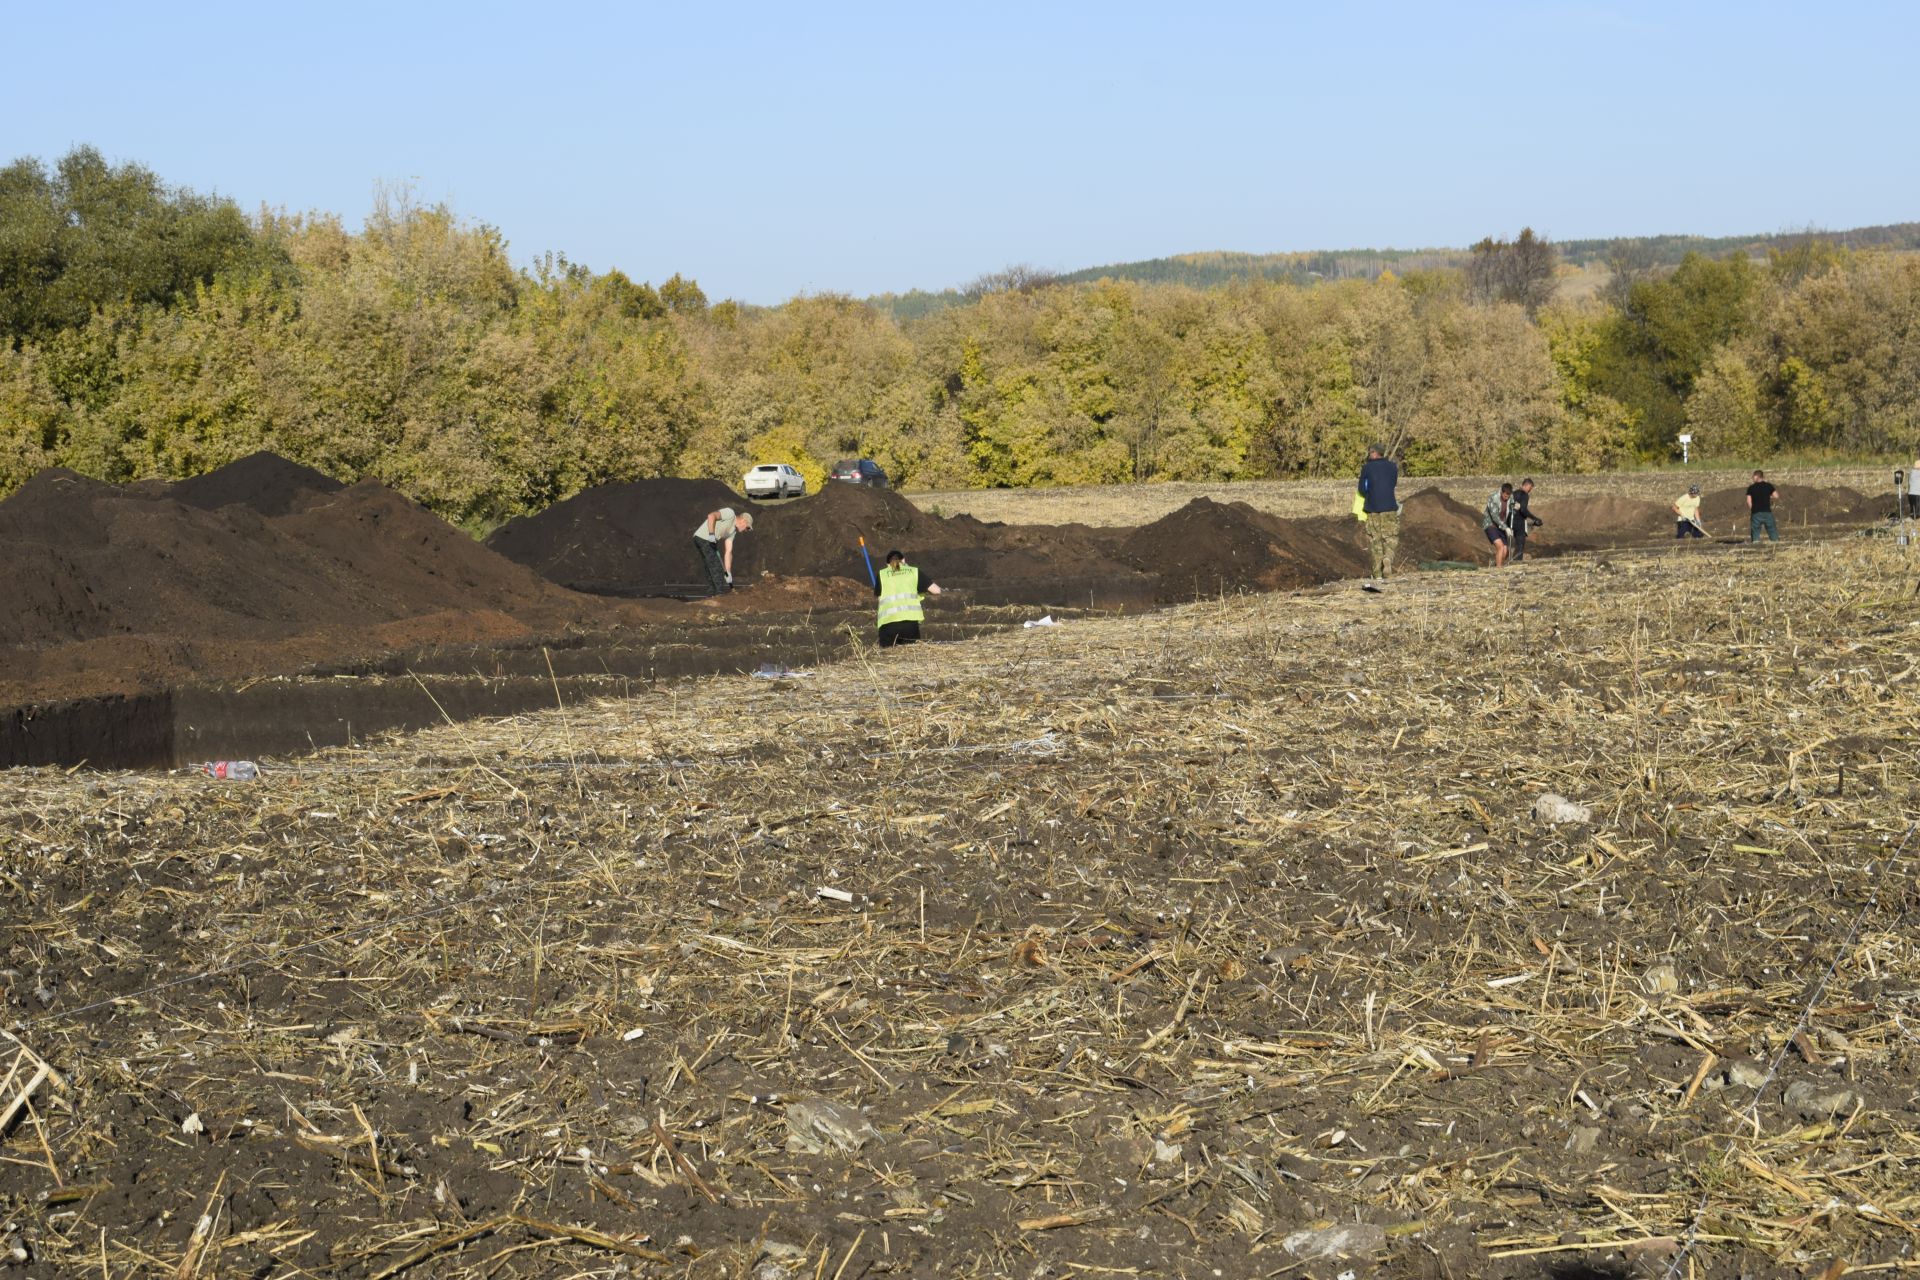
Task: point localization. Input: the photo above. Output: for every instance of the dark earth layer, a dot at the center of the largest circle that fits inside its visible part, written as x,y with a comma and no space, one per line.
267,568
1161,943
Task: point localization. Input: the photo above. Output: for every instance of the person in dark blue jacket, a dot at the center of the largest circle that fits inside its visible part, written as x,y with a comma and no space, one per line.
1378,477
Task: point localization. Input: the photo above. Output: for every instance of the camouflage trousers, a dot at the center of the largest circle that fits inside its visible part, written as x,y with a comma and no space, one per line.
1383,537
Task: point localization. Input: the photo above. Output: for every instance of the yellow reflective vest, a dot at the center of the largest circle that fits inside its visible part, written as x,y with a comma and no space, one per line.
900,595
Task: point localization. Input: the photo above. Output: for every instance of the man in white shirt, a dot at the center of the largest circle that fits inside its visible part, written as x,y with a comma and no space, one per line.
714,541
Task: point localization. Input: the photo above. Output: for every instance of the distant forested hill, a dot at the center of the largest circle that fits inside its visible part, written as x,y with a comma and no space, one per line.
1212,270
151,332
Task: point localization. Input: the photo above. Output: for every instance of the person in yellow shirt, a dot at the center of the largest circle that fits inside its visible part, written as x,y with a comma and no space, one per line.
900,588
1687,508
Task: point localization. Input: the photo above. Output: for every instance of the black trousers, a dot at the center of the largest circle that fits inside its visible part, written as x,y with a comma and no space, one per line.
1517,541
899,633
710,561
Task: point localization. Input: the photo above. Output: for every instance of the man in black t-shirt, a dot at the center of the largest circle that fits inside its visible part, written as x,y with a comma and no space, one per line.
1522,517
1760,497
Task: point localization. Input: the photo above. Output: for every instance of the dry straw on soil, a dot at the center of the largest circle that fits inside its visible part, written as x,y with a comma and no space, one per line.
1186,945
1136,504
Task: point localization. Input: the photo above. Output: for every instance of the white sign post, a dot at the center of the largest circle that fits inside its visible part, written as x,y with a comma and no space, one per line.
1903,500
1686,448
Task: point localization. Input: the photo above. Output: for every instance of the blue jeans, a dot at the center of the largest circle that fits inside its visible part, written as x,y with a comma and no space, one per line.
1687,529
1762,520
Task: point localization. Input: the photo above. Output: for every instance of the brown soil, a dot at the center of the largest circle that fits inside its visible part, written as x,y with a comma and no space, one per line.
625,539
1207,548
1602,521
1435,527
1159,950
267,567
1794,505
88,560
637,539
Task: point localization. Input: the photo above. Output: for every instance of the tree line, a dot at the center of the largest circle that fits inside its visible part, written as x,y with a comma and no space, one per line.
147,331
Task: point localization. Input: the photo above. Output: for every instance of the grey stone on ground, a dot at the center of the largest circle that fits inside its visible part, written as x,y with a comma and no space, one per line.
1810,1101
1349,1240
818,1125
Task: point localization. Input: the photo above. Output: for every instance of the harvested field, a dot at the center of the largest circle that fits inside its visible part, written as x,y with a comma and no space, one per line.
144,615
1218,942
1129,505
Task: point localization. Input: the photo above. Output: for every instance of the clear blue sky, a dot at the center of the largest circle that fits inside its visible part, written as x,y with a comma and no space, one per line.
767,150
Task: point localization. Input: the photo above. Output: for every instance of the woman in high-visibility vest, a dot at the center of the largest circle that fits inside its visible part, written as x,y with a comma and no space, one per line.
899,589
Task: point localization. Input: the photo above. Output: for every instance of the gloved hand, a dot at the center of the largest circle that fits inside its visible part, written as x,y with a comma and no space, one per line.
729,579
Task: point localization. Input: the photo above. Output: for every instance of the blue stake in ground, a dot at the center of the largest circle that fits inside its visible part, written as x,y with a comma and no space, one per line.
871,580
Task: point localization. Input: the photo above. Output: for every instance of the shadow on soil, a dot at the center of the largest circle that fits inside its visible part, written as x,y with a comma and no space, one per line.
346,703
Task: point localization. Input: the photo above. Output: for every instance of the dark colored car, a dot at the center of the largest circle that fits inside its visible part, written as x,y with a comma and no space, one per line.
859,471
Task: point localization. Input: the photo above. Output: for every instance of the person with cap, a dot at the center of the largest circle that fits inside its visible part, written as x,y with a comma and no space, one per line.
1522,517
899,588
1378,476
1760,499
1687,508
1496,521
713,539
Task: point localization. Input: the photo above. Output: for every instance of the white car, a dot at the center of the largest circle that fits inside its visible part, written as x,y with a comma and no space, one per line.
774,480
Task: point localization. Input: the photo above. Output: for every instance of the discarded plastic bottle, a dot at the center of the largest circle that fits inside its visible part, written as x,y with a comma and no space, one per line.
232,770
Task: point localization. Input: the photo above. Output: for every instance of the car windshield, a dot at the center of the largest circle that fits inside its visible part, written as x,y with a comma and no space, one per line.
766,468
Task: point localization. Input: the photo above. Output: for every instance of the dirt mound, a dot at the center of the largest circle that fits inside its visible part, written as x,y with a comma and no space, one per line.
1207,547
1796,504
821,535
1435,527
1606,521
148,589
636,539
264,481
625,539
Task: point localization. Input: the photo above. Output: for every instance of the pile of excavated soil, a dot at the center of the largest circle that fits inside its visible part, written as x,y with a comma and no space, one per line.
625,539
86,560
1574,523
1435,527
637,539
1596,522
1208,548
266,482
1794,505
262,566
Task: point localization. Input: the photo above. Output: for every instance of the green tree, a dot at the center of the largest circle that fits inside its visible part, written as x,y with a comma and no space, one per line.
1725,413
90,234
33,418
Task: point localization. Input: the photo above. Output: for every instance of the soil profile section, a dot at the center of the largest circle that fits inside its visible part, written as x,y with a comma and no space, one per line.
264,568
636,539
293,715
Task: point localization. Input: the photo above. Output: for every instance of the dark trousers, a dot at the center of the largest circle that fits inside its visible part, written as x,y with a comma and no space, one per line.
1687,529
1519,544
710,561
899,633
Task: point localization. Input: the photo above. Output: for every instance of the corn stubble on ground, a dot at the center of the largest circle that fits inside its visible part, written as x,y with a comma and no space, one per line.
1217,942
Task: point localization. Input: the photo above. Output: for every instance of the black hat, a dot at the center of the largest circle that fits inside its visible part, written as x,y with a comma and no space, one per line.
896,554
